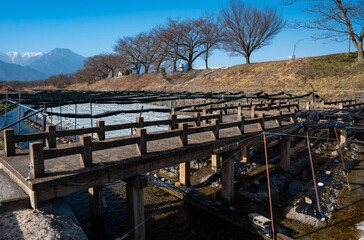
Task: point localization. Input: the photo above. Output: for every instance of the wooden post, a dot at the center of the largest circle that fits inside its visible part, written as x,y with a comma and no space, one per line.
197,115
184,137
9,142
184,173
227,177
252,112
135,206
226,109
215,132
285,153
204,113
101,132
215,161
219,112
36,159
240,113
261,124
51,140
308,106
96,206
140,122
279,120
86,155
142,145
241,126
172,125
245,154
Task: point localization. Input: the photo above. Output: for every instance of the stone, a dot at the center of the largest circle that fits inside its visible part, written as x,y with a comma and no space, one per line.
308,200
256,182
328,172
163,179
231,208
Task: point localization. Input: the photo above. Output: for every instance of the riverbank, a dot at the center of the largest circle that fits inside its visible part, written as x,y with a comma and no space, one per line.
32,224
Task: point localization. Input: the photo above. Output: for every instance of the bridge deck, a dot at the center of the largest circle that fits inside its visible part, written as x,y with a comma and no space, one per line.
63,175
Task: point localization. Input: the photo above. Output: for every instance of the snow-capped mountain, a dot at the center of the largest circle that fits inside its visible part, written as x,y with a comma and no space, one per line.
59,60
24,58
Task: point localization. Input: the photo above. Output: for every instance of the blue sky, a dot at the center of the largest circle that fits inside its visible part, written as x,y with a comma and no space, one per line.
92,27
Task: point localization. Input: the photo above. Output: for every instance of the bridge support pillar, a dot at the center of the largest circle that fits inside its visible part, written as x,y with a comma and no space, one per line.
285,153
215,161
184,173
135,206
245,156
343,137
227,177
96,206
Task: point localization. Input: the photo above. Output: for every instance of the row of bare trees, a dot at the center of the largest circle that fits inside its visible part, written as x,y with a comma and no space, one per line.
240,29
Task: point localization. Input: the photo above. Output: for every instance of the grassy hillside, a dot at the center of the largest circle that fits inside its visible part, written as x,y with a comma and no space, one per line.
325,73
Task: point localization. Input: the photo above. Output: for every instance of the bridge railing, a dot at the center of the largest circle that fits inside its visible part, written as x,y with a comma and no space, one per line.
258,107
51,134
38,154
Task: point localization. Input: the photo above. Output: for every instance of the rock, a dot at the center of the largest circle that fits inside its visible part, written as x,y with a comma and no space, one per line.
308,200
163,179
205,164
334,154
328,172
155,175
256,182
323,219
231,208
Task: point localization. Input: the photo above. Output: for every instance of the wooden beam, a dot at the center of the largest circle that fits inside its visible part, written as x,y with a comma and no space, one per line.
9,142
86,154
36,159
51,140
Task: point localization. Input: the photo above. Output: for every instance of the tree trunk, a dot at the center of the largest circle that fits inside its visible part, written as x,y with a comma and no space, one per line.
146,68
190,60
206,60
189,66
247,59
174,64
360,51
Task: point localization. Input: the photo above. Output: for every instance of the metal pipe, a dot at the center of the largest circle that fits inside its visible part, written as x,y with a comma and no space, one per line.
19,112
6,108
313,172
75,119
24,106
60,111
44,122
268,181
342,159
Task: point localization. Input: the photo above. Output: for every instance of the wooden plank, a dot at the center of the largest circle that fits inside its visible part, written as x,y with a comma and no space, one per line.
31,137
62,152
74,132
120,126
114,142
162,135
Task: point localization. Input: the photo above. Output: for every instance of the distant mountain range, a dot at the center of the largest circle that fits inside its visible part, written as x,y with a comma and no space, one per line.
37,66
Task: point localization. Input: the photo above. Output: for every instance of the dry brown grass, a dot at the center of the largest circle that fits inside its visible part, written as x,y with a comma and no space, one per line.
327,74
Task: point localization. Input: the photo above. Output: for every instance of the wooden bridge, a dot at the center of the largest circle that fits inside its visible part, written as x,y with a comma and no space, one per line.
53,171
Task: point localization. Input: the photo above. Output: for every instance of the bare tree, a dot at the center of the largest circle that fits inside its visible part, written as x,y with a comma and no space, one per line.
185,38
212,35
336,19
131,48
247,28
98,66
